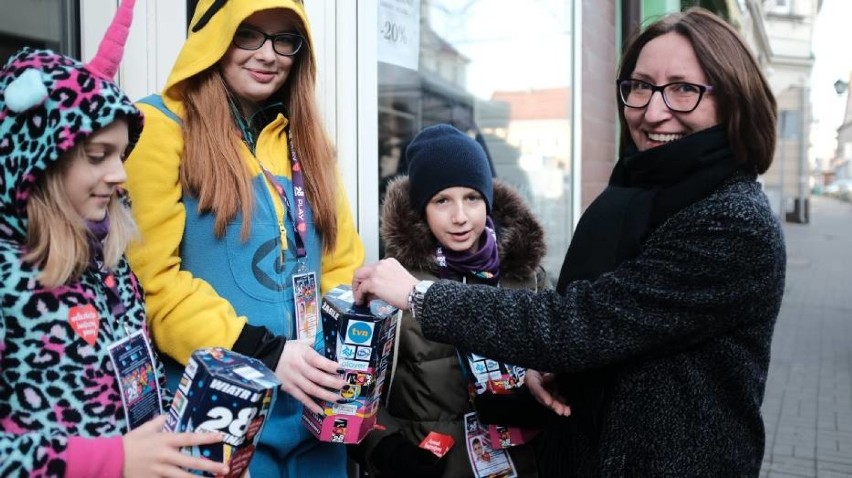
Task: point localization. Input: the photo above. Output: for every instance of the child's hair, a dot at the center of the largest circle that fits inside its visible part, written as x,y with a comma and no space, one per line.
57,236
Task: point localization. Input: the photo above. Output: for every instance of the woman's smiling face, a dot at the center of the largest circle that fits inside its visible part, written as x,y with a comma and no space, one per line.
666,59
255,75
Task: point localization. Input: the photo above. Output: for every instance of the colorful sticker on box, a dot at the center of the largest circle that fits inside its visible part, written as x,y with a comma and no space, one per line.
359,332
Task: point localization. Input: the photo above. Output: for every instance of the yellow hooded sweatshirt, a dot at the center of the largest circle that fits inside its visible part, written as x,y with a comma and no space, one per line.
202,290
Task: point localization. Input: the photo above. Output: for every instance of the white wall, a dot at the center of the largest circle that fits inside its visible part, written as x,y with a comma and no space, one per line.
345,47
156,35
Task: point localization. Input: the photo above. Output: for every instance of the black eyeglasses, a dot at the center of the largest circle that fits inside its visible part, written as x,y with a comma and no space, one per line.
679,96
285,44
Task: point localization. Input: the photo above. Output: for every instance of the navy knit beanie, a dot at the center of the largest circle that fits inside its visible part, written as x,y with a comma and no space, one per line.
442,157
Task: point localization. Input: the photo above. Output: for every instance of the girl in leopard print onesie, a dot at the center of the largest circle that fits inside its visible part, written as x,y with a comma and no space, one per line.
70,308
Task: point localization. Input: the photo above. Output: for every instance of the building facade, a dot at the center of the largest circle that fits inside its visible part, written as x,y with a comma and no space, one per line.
388,68
841,164
789,25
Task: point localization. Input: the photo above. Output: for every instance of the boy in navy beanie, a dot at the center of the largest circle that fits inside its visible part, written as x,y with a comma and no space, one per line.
441,157
439,222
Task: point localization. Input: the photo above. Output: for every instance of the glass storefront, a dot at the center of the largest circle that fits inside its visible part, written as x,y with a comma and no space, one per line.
499,70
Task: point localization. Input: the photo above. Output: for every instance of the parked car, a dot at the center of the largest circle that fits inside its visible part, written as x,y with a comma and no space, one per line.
841,189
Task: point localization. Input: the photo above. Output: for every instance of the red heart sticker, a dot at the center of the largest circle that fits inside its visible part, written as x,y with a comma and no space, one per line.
437,443
84,319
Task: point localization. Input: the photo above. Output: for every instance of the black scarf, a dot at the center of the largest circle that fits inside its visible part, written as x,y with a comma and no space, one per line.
644,190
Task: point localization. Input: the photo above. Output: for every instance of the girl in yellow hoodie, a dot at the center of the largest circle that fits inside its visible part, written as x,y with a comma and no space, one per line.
235,188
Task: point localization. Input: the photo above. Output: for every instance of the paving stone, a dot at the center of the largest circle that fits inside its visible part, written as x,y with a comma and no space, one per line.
807,408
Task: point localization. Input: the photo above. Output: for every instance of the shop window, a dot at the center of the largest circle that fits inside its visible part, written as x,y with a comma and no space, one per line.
499,70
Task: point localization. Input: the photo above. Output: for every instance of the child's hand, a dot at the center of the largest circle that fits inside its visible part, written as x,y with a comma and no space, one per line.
541,386
387,280
151,452
307,375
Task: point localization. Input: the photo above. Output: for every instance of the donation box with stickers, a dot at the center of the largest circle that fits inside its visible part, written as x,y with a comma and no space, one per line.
360,339
490,376
223,391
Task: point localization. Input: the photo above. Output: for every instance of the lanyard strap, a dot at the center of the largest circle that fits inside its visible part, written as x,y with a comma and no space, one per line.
300,218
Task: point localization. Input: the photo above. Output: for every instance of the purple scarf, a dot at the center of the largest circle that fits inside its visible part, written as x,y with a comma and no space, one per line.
483,265
98,231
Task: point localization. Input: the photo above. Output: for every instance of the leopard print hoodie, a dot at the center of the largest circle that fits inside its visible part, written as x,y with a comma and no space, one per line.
61,413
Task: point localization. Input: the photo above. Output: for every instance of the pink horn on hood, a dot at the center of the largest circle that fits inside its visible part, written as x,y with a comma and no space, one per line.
106,60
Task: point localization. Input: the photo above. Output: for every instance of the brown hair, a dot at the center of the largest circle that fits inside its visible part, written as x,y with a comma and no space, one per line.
743,95
57,237
215,173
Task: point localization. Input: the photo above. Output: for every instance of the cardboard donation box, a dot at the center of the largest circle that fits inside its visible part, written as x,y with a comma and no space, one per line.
490,376
223,391
360,339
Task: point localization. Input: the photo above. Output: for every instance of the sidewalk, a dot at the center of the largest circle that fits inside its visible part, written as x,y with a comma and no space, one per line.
808,403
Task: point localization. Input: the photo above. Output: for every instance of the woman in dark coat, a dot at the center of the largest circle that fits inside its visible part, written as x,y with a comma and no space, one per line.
658,335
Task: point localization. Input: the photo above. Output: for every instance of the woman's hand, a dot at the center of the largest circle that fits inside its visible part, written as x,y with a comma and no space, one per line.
541,386
149,451
386,280
304,374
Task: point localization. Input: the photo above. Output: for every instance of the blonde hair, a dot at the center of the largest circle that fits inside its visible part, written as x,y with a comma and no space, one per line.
57,236
212,169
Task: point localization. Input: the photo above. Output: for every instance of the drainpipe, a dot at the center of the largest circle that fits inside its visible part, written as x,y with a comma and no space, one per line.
782,145
803,152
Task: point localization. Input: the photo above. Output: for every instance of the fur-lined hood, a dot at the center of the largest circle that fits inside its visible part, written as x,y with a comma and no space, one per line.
520,236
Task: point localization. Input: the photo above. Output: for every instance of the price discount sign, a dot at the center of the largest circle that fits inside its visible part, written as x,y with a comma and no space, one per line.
399,32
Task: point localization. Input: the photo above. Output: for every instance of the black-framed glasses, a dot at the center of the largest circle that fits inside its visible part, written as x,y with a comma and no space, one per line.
679,96
285,44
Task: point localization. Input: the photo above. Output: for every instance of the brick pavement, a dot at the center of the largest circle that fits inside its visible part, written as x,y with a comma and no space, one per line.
808,403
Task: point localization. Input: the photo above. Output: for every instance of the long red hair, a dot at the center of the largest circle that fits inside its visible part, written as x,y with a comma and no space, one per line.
212,169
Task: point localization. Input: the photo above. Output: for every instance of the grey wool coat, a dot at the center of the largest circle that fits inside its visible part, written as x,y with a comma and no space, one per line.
428,391
678,338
